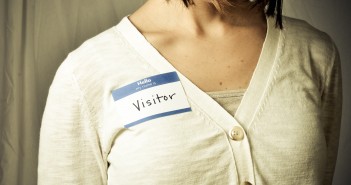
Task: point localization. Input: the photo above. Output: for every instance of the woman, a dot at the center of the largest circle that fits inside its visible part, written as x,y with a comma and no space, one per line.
196,92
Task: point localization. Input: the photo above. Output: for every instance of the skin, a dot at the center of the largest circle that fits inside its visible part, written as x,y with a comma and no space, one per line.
215,51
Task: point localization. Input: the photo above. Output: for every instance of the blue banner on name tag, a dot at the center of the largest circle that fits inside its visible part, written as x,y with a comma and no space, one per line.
150,98
157,116
144,84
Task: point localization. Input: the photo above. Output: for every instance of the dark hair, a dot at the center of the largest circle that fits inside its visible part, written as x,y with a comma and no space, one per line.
272,8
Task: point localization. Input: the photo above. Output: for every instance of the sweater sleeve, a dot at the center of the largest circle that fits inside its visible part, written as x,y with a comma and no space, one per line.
69,149
331,113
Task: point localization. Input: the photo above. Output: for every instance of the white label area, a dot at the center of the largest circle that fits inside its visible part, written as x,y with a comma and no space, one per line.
150,98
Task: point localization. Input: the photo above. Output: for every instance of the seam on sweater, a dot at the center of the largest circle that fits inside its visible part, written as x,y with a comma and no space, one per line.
92,111
328,70
86,110
269,84
82,98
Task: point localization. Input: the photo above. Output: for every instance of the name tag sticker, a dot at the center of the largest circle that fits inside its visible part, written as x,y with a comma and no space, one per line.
150,98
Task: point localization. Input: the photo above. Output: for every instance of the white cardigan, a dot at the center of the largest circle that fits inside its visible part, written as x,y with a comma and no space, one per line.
286,128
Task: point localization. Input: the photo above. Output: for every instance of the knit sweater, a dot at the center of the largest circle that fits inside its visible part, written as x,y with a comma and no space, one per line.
285,130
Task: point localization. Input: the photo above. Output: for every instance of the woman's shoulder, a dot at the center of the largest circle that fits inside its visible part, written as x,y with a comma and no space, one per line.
104,57
304,40
299,31
106,50
104,45
312,49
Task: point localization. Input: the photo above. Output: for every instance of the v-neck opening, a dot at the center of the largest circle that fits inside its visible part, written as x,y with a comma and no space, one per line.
255,90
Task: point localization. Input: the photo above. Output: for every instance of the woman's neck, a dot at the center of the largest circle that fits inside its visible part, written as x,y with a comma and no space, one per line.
200,19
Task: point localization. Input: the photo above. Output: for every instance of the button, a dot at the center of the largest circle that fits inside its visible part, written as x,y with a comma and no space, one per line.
246,183
237,134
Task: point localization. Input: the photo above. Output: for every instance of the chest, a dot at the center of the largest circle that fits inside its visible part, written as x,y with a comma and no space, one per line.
214,64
